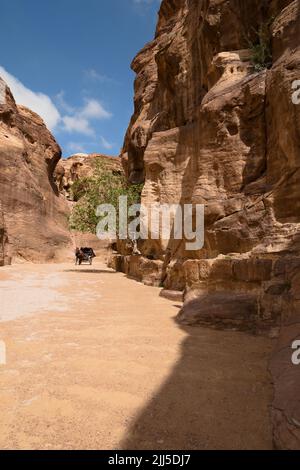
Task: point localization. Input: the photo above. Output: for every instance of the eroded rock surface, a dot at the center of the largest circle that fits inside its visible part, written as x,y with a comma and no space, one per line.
4,257
35,213
81,166
210,128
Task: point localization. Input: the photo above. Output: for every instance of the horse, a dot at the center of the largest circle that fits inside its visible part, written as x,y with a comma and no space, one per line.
79,256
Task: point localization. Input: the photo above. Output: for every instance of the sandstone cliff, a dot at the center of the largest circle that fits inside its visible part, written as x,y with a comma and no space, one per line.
77,168
212,128
4,257
81,166
34,212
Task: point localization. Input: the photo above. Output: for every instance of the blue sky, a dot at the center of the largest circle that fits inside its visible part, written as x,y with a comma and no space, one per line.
69,60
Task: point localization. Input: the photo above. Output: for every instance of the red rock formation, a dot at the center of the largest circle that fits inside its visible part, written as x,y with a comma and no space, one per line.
207,128
81,166
211,129
78,167
4,258
35,214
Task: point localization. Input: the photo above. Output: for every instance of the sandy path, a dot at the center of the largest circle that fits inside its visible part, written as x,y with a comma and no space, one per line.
96,361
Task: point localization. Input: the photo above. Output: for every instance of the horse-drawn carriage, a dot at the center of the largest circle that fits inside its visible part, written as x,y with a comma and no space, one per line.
85,256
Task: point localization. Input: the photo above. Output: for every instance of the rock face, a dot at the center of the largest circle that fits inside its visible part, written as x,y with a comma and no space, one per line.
4,258
81,166
211,128
78,167
34,212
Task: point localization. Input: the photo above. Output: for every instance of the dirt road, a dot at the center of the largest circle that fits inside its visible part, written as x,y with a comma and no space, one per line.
96,361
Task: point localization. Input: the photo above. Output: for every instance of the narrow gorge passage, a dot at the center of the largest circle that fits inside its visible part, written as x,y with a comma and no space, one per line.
96,361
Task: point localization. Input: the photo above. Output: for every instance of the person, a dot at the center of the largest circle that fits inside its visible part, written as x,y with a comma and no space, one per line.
79,256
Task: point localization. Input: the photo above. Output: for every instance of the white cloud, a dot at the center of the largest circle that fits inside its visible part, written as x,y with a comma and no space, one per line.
62,116
79,121
62,104
107,145
93,75
36,101
93,109
77,124
75,147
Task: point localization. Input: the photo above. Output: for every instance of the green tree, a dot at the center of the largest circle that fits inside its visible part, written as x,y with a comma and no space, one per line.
261,48
105,186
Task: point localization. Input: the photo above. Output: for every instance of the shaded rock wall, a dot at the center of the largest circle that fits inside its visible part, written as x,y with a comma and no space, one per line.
211,129
35,213
4,257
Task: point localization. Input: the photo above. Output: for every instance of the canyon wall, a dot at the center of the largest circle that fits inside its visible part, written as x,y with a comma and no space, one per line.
213,126
76,169
4,258
80,166
35,214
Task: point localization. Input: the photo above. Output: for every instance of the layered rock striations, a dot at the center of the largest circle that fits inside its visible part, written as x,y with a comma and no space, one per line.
214,126
35,214
4,255
81,166
209,129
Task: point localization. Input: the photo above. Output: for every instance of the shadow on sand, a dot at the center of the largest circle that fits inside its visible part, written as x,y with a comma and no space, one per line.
89,271
216,397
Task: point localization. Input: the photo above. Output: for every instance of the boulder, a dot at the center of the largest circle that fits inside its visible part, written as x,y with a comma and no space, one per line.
221,309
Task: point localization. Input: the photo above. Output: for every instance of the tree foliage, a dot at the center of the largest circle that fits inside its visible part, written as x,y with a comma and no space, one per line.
261,48
105,186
